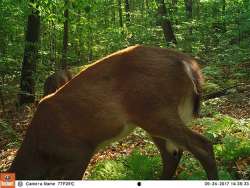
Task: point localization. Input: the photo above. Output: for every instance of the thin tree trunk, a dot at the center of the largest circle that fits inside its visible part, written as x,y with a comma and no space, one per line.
238,25
30,58
52,42
114,12
90,44
223,16
189,18
189,13
127,10
120,12
142,9
80,51
174,9
197,9
90,39
65,35
1,93
189,8
165,23
147,4
174,4
223,7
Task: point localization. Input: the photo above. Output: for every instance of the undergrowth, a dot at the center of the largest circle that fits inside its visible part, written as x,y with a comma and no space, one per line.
231,143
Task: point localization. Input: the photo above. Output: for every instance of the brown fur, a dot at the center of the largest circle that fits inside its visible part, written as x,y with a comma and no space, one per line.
139,85
198,80
56,80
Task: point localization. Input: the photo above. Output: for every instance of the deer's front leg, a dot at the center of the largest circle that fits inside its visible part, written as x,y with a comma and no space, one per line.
70,163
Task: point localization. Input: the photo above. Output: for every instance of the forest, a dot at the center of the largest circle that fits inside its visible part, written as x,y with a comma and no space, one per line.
44,42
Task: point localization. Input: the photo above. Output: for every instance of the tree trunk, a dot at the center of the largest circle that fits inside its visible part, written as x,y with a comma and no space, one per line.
30,58
189,13
165,23
120,12
197,9
127,10
142,8
224,28
2,98
189,18
223,7
80,45
146,5
173,8
189,8
90,39
52,39
113,12
65,35
174,4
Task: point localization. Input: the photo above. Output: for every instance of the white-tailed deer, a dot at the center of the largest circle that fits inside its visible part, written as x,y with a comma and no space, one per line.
56,80
156,89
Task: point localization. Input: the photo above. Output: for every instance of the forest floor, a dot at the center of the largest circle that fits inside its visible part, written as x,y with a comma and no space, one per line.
235,104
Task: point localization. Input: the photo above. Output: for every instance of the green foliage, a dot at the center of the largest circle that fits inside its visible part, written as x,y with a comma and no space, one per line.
228,131
217,33
210,87
225,175
192,169
209,108
134,167
142,167
231,139
222,126
233,148
212,72
109,170
231,143
7,132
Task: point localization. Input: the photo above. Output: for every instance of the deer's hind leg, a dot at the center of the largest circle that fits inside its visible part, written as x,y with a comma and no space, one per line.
174,129
170,157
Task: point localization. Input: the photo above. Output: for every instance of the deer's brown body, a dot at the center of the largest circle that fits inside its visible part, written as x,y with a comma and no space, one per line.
153,88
